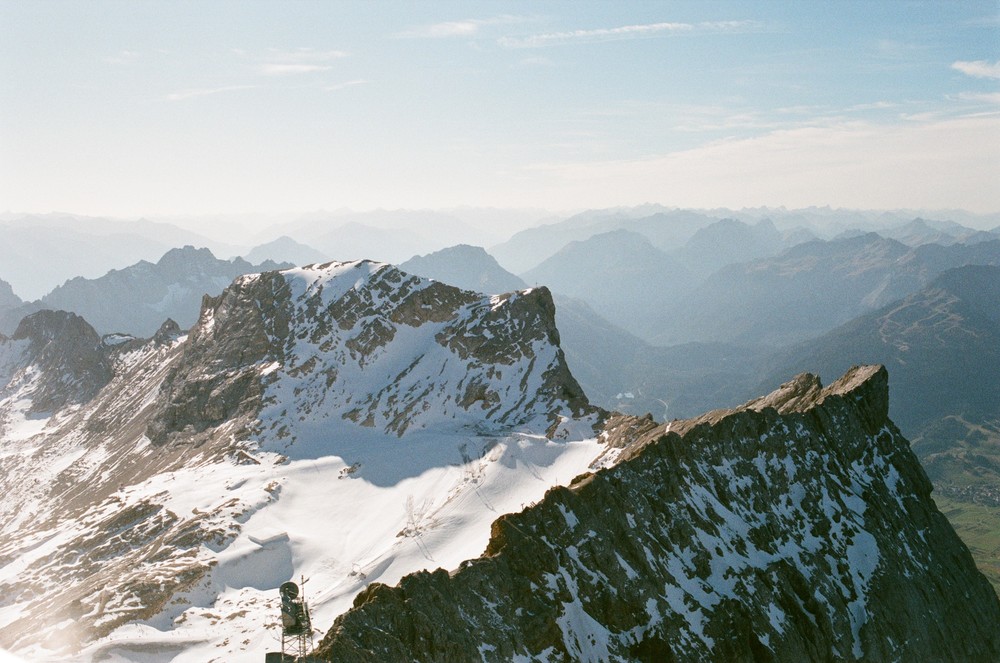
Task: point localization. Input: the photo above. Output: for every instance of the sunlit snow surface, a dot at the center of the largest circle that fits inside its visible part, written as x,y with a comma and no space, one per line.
338,528
319,497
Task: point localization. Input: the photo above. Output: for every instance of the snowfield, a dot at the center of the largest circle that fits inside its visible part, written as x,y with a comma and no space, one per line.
339,525
313,495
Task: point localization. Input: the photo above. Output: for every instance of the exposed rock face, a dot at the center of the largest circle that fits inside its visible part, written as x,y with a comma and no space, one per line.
93,521
55,358
799,527
367,343
219,377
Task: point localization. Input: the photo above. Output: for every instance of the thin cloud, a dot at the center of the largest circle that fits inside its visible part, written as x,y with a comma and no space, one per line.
465,28
305,55
978,68
987,97
299,61
204,92
346,84
284,69
877,105
639,31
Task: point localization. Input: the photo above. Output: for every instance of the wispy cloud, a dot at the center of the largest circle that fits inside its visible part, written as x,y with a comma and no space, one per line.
346,84
639,31
203,92
875,105
987,97
978,68
465,28
298,61
283,69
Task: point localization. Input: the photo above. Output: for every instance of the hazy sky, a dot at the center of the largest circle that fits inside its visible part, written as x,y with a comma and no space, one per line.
128,108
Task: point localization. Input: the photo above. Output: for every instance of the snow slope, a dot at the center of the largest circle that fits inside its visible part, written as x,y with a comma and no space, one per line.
396,419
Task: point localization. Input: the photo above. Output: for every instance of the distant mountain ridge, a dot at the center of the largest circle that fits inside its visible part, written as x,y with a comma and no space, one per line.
466,267
614,272
8,300
812,288
137,299
285,250
527,249
38,252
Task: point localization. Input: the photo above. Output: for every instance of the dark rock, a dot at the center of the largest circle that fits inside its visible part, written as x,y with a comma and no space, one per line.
168,332
799,527
68,356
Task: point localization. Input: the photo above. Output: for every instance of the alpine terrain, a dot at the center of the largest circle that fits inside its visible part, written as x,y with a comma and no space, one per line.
797,527
345,422
356,428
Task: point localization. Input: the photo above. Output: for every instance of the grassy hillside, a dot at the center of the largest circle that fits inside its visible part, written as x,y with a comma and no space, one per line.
979,527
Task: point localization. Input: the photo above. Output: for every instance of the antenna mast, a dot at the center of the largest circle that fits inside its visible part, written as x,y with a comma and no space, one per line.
296,627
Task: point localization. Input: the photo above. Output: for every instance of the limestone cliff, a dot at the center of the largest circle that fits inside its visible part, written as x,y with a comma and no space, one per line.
798,527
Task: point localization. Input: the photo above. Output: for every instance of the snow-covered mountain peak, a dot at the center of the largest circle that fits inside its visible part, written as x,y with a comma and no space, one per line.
165,511
343,346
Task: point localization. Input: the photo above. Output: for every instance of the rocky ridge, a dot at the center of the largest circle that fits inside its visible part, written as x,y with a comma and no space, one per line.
797,527
355,372
53,359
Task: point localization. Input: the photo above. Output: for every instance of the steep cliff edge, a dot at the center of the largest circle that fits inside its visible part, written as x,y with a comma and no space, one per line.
798,527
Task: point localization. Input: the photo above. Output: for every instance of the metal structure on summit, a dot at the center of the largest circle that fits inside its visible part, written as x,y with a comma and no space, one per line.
296,627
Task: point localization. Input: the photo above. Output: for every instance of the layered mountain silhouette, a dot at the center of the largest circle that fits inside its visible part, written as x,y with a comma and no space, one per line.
464,266
285,250
137,299
41,251
811,288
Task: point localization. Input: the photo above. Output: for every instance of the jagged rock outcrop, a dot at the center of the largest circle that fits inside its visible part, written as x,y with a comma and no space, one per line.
54,358
143,501
368,343
798,527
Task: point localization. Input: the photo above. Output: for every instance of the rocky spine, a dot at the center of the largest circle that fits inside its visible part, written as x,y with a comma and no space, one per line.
798,527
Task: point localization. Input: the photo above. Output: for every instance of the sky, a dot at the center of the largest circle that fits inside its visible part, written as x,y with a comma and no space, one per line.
147,108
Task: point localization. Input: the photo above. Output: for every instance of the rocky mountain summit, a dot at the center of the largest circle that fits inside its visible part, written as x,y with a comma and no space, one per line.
797,527
177,486
370,344
53,359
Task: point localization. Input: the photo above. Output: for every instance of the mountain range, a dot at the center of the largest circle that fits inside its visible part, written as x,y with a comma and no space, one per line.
176,488
356,424
39,252
138,298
